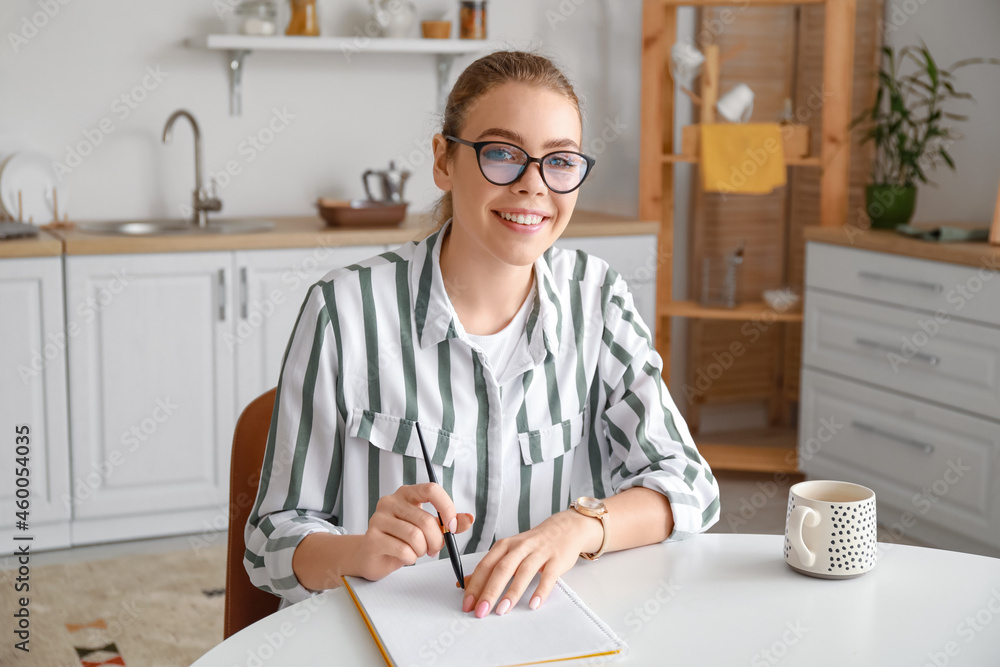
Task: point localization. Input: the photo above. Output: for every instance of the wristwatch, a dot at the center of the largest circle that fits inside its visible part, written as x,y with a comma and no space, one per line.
593,507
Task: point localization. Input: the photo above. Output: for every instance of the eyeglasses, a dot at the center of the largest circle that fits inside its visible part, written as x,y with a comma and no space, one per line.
502,164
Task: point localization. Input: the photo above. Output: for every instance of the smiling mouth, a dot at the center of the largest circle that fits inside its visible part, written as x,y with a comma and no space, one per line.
528,220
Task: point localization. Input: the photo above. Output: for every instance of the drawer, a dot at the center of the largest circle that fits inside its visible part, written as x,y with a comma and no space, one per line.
933,462
968,292
948,361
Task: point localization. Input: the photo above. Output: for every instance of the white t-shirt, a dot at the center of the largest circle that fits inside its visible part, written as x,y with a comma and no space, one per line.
499,347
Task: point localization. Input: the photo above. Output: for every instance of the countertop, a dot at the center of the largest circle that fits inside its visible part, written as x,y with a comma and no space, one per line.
980,254
307,231
43,245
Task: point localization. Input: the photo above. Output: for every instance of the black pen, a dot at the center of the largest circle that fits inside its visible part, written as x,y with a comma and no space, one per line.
449,538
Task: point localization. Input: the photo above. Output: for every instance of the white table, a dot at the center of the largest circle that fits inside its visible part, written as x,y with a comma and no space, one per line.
714,600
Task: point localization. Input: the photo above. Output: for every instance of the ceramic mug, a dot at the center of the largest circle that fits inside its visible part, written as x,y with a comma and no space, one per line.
830,529
736,106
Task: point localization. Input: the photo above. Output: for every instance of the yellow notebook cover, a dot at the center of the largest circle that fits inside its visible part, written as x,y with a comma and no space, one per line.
415,617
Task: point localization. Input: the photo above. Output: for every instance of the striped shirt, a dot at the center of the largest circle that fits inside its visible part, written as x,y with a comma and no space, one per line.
580,410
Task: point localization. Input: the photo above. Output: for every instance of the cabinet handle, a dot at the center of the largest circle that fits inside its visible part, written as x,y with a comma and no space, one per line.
243,292
861,426
922,284
931,359
222,295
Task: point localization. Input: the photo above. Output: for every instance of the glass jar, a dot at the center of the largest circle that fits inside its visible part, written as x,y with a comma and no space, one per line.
257,17
472,19
304,21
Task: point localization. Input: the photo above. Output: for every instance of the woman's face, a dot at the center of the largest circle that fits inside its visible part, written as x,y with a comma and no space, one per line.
538,120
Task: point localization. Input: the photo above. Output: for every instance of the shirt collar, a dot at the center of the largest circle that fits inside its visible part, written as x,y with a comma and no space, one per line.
434,315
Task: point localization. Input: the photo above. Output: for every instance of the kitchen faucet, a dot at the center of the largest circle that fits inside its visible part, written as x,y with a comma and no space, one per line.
204,198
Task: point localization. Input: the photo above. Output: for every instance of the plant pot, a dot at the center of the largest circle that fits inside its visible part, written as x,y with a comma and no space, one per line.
890,205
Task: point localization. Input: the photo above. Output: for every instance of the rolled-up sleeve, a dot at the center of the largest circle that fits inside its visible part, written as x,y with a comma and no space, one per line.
651,445
301,474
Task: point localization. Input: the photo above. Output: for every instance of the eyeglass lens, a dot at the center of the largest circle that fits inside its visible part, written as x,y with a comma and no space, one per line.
503,163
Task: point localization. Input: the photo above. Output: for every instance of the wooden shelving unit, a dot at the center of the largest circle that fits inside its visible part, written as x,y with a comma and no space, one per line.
772,449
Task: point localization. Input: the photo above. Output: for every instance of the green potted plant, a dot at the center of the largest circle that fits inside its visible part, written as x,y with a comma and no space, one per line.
907,124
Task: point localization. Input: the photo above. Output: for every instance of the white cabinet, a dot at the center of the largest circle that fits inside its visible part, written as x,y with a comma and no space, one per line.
901,390
170,349
33,392
151,391
634,257
272,286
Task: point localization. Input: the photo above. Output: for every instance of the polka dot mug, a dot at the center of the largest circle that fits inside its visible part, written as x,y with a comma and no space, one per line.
830,529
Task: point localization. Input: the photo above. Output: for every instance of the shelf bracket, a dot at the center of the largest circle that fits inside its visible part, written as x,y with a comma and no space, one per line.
444,63
236,81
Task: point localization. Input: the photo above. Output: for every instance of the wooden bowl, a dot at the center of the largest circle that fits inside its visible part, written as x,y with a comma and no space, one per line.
436,29
361,213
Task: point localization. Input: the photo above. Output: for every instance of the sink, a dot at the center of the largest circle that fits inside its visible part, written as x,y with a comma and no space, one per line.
176,226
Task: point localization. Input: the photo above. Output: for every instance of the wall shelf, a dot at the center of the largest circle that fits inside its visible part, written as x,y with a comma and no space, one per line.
237,47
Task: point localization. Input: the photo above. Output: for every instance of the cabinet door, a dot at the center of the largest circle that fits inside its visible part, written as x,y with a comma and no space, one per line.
33,393
634,257
272,285
151,390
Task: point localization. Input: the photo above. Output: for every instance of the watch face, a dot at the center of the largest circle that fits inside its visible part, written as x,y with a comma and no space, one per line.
590,503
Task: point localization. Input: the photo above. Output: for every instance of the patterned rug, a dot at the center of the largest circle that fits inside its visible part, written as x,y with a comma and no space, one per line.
161,610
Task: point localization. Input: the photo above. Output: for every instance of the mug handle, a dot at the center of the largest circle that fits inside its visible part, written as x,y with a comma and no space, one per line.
802,515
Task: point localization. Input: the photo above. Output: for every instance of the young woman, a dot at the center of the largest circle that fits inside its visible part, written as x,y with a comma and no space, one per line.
527,367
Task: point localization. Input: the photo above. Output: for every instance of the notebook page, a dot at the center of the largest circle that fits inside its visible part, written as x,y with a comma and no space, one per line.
417,612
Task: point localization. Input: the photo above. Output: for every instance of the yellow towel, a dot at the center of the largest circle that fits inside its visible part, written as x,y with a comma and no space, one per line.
742,158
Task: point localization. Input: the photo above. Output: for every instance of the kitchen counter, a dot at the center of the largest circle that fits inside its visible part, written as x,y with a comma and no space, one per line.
307,231
970,254
43,245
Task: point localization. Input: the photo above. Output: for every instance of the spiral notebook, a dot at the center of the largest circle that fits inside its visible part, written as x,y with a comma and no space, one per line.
415,618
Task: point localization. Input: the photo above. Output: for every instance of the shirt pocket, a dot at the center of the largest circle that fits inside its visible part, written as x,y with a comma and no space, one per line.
399,436
546,444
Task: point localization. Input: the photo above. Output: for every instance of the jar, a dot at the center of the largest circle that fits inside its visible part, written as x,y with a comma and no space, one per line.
257,17
304,21
472,19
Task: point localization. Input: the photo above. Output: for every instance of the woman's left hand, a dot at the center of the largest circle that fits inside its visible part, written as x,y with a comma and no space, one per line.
552,548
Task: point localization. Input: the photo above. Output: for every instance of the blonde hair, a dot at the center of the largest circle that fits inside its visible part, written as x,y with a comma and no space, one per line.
483,76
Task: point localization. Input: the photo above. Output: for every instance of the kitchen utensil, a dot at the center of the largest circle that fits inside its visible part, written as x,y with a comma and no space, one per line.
361,213
390,182
436,29
31,174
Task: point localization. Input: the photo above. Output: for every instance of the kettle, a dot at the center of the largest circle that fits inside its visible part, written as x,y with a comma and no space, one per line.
389,181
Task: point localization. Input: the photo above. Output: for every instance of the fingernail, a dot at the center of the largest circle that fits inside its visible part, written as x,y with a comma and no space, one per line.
453,524
535,602
503,607
482,609
434,555
468,602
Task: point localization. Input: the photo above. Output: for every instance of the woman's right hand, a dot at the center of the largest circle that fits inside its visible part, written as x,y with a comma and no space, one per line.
401,531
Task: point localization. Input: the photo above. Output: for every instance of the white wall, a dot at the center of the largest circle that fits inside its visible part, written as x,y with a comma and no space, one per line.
348,116
954,30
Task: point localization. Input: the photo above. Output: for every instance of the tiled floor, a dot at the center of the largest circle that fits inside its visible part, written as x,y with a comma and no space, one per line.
751,503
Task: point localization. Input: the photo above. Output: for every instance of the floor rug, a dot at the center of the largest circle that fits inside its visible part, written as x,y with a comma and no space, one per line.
162,610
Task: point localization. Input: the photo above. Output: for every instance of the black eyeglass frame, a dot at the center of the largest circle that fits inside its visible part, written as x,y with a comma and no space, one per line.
479,145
